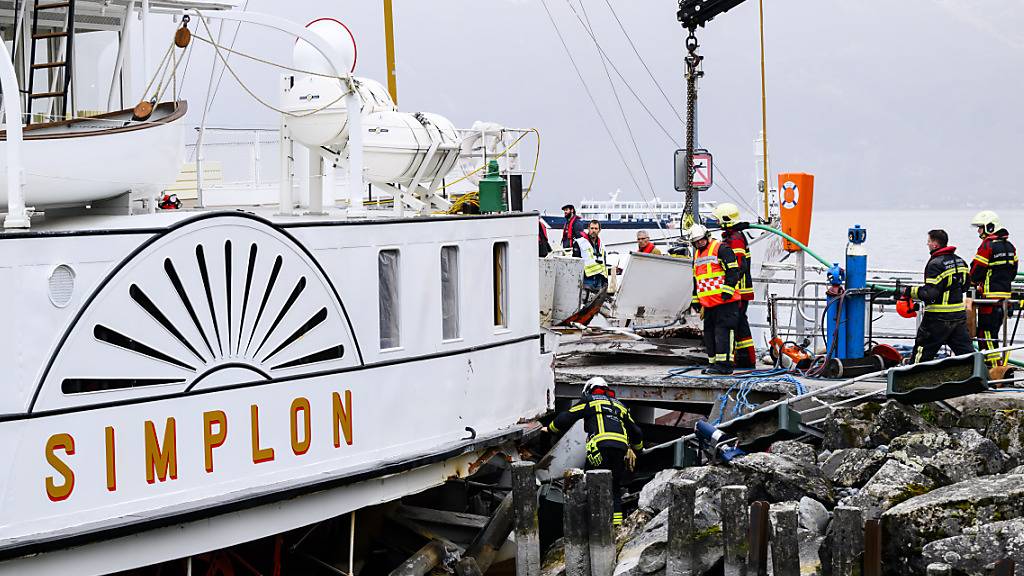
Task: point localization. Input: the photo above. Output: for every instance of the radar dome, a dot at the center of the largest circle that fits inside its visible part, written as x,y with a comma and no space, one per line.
305,57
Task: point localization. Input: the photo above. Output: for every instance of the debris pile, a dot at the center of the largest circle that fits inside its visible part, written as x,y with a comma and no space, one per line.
946,485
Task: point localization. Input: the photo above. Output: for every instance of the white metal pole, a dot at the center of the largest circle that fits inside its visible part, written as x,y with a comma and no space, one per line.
122,49
316,182
17,216
285,191
330,198
798,278
144,15
355,152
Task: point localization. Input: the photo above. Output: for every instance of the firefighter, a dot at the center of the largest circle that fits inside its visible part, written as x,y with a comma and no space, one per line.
644,244
993,271
589,247
573,227
612,436
946,279
716,276
728,216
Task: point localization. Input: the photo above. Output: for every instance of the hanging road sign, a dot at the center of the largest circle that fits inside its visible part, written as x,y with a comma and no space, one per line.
702,170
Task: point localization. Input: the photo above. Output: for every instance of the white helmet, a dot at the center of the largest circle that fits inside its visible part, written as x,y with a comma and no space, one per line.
726,213
696,232
987,221
595,382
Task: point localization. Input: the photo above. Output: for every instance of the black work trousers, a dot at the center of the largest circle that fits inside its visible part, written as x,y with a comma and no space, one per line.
746,356
720,332
990,328
936,330
612,459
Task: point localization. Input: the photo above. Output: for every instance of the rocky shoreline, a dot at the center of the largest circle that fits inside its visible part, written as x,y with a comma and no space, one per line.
946,487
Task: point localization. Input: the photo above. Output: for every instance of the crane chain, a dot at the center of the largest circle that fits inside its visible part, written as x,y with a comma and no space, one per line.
693,72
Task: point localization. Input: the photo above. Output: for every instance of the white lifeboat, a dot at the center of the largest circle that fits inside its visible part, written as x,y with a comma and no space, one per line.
75,162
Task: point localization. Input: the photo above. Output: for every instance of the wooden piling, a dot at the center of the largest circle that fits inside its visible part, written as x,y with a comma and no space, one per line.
423,561
938,569
575,523
487,542
599,501
735,523
847,540
681,550
785,524
758,539
467,567
524,502
872,547
1004,567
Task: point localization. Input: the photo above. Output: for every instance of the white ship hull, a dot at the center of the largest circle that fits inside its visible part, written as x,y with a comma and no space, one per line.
179,379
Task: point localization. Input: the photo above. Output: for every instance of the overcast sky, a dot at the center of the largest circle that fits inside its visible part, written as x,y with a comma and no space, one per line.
889,103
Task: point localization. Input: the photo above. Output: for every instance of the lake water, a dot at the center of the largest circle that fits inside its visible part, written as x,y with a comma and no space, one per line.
896,238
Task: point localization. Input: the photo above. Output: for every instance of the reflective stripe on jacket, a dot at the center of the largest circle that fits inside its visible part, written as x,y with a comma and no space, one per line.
593,260
715,274
994,267
737,240
946,279
605,419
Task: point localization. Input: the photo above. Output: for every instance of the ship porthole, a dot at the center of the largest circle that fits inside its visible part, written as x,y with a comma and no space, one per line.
62,285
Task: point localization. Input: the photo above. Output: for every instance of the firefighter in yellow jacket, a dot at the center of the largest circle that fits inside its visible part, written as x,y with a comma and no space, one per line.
612,435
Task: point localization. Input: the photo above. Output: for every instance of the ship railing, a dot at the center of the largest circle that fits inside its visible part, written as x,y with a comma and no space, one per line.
246,159
794,309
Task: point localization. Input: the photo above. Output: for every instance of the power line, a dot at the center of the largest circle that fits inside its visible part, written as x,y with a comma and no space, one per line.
586,88
618,101
737,197
642,61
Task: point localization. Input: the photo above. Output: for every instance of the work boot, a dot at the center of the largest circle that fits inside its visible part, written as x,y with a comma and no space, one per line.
719,370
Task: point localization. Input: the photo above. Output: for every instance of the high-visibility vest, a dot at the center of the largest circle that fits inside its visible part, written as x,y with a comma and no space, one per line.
709,276
593,261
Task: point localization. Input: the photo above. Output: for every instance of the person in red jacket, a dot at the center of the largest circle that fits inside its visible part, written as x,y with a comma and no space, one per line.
573,228
728,216
644,244
993,271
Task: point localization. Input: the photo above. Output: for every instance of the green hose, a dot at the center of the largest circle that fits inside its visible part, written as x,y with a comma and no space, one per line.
814,255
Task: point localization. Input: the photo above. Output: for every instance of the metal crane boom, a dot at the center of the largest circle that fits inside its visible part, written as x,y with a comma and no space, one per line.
693,13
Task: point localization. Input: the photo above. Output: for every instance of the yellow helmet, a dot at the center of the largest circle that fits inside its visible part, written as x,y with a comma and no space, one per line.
726,213
986,221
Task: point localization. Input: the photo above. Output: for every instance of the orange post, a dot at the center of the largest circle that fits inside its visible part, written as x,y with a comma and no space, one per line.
796,199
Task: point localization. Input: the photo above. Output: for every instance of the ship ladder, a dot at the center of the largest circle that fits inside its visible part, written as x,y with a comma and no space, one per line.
58,85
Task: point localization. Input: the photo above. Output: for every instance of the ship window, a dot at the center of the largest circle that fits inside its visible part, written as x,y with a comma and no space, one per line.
388,286
500,278
449,292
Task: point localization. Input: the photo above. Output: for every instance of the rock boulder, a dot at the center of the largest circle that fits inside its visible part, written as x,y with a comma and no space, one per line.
777,479
852,467
656,494
947,512
798,452
948,458
1006,430
974,551
892,484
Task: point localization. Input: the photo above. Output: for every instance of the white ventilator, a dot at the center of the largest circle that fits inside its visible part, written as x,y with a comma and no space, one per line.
407,149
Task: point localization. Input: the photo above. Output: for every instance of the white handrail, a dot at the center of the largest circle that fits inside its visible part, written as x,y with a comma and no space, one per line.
17,216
